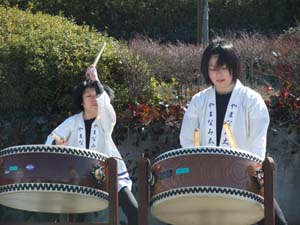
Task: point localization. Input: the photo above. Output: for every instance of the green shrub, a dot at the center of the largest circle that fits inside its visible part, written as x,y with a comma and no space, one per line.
43,57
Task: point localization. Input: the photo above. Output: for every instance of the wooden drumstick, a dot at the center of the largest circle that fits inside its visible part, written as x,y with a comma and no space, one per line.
99,54
197,137
230,136
57,138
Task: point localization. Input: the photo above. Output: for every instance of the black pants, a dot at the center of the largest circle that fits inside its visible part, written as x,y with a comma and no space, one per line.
129,205
279,217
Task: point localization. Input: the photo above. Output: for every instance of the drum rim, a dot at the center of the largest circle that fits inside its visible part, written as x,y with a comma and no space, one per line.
206,191
217,150
54,149
53,187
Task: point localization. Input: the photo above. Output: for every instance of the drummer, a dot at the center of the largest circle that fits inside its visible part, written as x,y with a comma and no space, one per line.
92,129
227,100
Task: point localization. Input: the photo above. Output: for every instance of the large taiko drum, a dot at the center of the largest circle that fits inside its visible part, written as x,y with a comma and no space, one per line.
207,186
53,179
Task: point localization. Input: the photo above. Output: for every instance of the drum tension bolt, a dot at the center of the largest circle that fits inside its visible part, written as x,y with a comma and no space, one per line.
99,173
259,178
152,178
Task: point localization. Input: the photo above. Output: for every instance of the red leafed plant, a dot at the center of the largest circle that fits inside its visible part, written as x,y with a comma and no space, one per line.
285,105
146,114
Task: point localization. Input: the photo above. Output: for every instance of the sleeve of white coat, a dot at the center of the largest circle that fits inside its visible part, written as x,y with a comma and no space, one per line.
63,130
107,113
189,123
108,121
258,126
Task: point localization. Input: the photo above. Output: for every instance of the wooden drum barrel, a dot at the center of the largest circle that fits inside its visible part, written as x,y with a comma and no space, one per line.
207,186
53,179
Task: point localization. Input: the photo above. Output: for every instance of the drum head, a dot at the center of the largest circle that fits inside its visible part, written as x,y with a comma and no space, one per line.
76,200
206,209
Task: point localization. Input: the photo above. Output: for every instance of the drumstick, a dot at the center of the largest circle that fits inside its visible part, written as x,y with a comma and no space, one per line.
230,136
196,137
57,138
99,54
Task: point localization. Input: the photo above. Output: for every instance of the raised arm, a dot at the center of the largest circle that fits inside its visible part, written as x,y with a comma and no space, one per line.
105,109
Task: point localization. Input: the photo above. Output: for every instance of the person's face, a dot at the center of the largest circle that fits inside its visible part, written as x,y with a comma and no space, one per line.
220,76
89,101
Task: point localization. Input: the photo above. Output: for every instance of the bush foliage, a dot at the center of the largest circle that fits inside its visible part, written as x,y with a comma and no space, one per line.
285,105
170,20
43,57
269,65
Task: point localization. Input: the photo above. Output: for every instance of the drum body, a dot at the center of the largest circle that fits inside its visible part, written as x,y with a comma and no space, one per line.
207,186
53,179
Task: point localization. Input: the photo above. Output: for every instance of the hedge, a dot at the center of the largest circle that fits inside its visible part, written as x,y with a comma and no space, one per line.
43,57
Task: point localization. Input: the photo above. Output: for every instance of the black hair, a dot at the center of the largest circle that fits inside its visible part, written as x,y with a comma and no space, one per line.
81,87
227,55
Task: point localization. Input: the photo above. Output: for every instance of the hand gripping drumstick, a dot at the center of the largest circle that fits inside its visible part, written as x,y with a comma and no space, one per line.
230,136
99,54
196,138
57,138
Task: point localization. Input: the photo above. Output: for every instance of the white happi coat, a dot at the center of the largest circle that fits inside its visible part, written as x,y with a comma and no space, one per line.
246,113
73,130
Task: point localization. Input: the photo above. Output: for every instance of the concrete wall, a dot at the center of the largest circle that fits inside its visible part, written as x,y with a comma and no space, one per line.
285,150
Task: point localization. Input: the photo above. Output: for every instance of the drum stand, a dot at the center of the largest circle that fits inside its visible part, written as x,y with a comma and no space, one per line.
144,192
113,206
268,169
